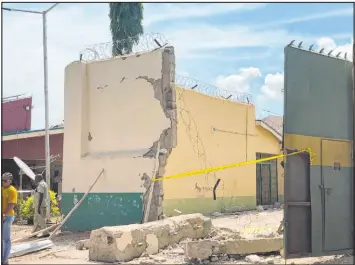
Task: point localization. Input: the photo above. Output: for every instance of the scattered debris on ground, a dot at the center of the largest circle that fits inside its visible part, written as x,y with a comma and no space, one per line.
228,228
124,243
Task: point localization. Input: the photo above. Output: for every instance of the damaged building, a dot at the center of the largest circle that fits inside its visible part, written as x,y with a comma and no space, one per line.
127,116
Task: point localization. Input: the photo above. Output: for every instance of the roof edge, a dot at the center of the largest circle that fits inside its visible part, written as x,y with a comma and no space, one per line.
269,128
29,134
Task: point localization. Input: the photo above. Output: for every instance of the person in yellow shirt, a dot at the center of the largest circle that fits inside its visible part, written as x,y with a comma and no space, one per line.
8,203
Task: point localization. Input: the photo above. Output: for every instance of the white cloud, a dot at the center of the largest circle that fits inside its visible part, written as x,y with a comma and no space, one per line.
239,82
273,86
218,57
70,28
271,93
191,40
329,14
329,44
73,26
172,11
326,42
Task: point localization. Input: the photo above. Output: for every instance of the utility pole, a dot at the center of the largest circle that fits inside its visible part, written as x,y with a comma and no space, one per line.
46,100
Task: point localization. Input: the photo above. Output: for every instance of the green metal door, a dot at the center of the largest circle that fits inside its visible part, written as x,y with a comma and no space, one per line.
318,114
266,181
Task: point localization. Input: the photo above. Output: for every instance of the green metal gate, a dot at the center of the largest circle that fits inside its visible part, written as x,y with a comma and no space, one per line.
318,114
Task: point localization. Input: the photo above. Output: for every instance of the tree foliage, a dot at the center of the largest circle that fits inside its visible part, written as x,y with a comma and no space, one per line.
126,26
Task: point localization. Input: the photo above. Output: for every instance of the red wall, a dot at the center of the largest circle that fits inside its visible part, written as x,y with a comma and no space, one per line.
14,115
33,148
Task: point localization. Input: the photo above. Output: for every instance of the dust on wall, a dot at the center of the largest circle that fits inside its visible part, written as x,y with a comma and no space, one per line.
211,132
116,111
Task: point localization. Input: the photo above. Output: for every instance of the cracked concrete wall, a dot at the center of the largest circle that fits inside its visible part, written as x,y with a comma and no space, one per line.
116,111
214,132
211,132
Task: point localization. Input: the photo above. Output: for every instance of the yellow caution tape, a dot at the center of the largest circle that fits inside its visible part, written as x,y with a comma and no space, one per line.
250,162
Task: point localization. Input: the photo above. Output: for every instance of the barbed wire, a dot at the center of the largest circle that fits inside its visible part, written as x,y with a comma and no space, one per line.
152,41
193,133
205,88
101,51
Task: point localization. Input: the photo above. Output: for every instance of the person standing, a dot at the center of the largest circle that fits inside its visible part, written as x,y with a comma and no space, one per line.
40,203
8,202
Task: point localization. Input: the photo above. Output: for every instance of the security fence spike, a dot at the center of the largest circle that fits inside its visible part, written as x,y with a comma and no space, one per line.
337,56
346,54
310,47
291,43
321,50
157,42
300,44
330,53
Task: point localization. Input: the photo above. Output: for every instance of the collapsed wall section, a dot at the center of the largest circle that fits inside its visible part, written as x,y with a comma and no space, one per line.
116,112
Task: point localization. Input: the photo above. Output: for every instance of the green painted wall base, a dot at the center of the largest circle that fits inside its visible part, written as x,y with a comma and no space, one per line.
102,209
208,205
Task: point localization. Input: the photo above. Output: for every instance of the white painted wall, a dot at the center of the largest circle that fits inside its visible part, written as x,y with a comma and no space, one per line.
106,100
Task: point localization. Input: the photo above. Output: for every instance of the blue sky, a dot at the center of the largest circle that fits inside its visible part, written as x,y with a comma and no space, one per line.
235,46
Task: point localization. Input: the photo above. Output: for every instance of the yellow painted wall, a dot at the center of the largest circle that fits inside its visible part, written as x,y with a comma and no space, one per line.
235,139
338,150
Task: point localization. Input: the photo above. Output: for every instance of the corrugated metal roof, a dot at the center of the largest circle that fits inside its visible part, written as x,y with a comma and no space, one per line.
29,131
275,122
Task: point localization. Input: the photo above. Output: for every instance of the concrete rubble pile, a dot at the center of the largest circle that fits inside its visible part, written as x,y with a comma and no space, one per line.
124,243
227,241
206,248
195,233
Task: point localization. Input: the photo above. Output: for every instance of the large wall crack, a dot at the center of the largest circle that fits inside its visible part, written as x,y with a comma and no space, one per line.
164,91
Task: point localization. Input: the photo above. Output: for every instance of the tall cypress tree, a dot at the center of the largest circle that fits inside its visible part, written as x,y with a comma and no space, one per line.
126,26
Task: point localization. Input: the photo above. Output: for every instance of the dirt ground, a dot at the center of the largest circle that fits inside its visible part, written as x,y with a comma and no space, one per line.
248,224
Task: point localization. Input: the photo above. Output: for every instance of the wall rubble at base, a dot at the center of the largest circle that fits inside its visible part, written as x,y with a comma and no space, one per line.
205,248
124,243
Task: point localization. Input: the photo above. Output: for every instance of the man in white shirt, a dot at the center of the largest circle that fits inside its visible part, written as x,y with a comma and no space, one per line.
40,203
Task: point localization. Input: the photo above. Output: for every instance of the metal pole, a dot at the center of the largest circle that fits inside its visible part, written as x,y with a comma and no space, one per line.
46,105
21,188
21,184
353,151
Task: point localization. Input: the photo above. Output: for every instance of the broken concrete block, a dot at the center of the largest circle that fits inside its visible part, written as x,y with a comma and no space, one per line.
83,244
203,249
268,261
260,208
177,251
252,258
224,257
159,259
124,243
277,205
200,249
216,214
